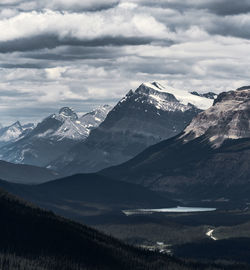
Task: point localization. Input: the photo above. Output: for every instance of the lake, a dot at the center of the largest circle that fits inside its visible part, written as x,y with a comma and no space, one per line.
177,209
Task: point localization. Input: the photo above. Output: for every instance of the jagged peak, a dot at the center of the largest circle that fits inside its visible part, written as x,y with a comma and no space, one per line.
16,124
68,112
154,85
100,109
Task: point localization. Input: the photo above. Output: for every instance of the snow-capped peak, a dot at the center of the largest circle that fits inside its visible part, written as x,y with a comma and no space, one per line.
95,117
71,126
68,113
11,132
228,118
183,96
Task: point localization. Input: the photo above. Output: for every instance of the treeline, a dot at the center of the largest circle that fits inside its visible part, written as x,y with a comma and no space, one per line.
14,262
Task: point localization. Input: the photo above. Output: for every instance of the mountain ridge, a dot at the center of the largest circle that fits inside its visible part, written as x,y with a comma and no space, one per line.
52,137
142,118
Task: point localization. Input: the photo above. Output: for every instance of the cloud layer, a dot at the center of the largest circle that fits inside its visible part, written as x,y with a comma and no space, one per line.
82,53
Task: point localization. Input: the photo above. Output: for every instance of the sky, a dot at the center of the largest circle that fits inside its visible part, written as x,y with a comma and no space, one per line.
82,54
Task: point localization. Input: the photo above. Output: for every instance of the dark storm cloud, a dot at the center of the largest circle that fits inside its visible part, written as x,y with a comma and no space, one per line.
228,7
24,66
52,41
13,93
231,27
219,7
74,53
61,5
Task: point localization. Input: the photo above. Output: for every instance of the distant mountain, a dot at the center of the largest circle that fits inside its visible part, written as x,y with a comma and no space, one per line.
143,117
35,239
52,137
25,174
14,132
94,118
210,95
209,159
10,133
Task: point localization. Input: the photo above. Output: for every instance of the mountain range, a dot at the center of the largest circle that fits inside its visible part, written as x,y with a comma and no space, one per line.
205,160
52,137
208,160
142,118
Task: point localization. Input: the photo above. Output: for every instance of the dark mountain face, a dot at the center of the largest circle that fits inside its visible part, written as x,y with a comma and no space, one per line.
25,174
52,137
210,159
80,196
142,118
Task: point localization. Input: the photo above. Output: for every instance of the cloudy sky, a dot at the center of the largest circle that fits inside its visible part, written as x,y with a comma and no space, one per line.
77,53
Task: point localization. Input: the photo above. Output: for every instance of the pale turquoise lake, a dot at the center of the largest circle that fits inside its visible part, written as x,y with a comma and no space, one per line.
177,209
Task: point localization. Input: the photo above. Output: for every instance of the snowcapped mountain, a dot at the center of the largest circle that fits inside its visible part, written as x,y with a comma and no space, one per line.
209,159
11,133
14,132
183,97
69,126
94,118
52,137
143,117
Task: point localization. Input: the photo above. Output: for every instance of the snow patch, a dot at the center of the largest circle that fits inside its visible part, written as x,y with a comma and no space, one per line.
182,96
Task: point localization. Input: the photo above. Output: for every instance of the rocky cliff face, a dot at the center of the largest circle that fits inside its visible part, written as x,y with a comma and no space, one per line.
228,118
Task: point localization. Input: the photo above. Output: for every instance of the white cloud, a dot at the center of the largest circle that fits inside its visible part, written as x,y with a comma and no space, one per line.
82,26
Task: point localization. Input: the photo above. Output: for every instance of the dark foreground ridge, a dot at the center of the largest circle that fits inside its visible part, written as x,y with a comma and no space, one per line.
32,238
